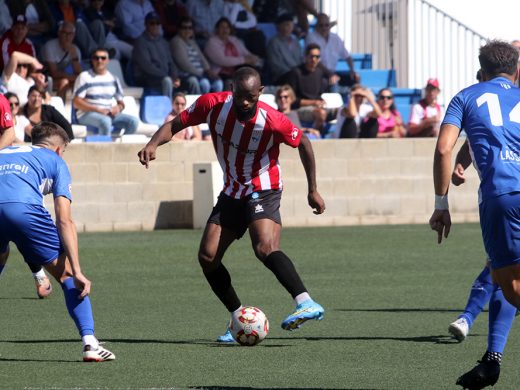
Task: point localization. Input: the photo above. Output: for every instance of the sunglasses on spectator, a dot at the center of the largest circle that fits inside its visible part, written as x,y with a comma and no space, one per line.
99,58
14,104
317,56
283,97
387,97
187,27
22,66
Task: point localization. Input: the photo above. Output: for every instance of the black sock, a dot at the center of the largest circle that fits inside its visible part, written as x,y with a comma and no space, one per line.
220,282
34,267
283,268
492,357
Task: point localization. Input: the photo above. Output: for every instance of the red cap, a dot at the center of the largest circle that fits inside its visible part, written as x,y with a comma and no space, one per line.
433,83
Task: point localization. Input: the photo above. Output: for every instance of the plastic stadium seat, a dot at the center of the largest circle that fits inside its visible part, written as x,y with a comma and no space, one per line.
380,78
333,100
131,108
154,108
406,95
114,67
269,30
270,99
405,110
361,61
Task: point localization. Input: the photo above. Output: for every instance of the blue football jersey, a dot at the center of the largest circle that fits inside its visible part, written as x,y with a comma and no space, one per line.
489,112
27,173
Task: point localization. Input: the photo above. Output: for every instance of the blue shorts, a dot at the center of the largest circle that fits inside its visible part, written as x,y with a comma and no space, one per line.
33,231
500,223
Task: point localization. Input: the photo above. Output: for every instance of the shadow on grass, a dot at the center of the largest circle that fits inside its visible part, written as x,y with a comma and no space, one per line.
40,360
19,298
268,388
406,310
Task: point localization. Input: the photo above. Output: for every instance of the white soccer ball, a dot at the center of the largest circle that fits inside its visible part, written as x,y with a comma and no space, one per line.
250,326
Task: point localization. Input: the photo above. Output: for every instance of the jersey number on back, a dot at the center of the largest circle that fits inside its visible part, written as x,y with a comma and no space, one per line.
495,112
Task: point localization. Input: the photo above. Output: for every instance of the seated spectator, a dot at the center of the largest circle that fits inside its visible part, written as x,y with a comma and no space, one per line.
5,17
205,15
95,91
21,123
65,11
302,9
63,59
172,12
350,120
37,111
426,115
15,39
285,97
283,50
194,69
226,52
130,17
21,73
243,21
101,24
190,133
40,21
332,49
385,122
152,61
309,80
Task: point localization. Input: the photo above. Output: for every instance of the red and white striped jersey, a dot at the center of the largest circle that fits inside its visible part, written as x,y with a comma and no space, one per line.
247,152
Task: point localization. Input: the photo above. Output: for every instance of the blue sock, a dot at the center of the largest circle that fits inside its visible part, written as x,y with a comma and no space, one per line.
501,316
79,309
481,291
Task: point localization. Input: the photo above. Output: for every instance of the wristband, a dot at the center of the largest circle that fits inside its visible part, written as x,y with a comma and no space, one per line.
441,202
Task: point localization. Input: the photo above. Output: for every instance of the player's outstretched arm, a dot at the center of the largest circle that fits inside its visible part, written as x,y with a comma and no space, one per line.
69,238
440,220
161,136
307,157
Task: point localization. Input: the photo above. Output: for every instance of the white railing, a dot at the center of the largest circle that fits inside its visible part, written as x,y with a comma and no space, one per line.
414,37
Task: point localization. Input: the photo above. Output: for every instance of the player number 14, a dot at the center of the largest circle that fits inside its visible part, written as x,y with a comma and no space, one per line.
495,112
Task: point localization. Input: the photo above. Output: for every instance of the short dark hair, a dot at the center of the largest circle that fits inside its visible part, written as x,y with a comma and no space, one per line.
245,73
225,20
98,49
498,57
45,130
312,46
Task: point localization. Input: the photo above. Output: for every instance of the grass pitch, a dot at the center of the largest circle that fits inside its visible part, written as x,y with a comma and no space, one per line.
389,293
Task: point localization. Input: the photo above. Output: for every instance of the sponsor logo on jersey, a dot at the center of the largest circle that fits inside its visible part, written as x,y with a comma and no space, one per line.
509,155
259,209
13,168
294,133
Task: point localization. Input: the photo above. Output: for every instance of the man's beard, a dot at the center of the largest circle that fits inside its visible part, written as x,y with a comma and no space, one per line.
245,115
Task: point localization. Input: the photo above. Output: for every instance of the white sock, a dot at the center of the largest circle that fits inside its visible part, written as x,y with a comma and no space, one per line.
40,274
302,297
237,311
91,340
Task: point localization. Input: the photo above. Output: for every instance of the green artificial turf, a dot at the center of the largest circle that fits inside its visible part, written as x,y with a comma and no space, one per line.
389,293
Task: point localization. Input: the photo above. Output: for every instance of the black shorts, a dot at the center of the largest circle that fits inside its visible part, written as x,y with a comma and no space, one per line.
237,214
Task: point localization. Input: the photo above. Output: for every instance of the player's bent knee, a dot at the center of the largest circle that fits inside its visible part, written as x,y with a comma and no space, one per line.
262,250
207,261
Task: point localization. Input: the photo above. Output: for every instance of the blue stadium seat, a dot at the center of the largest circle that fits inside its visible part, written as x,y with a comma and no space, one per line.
269,30
155,108
361,61
380,78
404,109
406,95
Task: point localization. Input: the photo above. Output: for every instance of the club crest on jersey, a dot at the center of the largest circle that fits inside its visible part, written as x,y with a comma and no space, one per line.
294,133
257,134
255,195
259,209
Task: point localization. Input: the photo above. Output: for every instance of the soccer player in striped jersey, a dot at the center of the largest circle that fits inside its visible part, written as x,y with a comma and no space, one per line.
489,112
27,173
246,135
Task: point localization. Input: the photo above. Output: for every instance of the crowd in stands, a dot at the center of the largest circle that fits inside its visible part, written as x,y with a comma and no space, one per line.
177,47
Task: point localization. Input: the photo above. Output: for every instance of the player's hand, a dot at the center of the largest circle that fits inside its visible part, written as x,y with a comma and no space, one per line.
316,202
440,221
457,177
146,155
82,284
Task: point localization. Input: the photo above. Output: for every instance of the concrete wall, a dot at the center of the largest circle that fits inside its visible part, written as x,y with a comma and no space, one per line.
362,181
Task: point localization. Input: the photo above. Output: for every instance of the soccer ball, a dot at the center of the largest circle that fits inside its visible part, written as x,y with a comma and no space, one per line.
250,326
